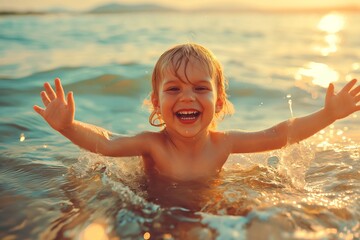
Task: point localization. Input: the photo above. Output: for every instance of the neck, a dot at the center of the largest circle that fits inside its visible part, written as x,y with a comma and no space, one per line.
188,144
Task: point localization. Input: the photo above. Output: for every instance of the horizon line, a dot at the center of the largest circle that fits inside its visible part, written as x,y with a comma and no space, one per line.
213,9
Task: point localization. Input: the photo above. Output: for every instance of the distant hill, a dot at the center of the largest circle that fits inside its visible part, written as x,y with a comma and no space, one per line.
225,8
121,8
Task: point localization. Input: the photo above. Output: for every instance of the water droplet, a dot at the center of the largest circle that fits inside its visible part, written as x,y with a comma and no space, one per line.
147,235
273,161
22,137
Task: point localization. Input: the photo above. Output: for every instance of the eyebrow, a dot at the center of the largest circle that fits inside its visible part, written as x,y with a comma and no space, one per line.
201,81
172,81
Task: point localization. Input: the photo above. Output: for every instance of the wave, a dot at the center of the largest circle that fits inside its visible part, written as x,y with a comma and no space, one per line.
130,79
110,84
126,79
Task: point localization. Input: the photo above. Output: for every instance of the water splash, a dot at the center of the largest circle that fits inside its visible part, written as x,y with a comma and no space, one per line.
290,104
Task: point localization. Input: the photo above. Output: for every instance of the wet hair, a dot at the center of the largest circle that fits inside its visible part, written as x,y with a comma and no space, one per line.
172,60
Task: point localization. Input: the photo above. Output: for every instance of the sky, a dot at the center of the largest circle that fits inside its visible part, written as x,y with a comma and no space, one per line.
182,4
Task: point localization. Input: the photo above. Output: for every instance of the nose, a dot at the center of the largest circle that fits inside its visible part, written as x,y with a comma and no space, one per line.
187,95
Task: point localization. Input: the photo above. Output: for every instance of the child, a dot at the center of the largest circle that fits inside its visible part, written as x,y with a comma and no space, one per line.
188,97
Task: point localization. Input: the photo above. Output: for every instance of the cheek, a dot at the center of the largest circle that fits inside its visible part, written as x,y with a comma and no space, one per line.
210,98
208,103
165,102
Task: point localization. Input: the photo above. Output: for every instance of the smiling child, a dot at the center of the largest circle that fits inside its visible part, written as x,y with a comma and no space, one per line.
188,98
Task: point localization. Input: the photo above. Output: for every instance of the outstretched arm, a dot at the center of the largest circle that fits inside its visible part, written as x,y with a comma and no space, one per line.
337,106
59,114
294,130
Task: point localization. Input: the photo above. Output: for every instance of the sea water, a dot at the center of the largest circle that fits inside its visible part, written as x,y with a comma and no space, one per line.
278,66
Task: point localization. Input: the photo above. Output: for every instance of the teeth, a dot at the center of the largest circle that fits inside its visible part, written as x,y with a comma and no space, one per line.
187,115
187,112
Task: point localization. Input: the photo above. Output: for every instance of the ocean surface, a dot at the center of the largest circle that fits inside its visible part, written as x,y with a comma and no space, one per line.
278,66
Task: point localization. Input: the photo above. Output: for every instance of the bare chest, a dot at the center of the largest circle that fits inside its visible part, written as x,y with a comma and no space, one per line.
187,166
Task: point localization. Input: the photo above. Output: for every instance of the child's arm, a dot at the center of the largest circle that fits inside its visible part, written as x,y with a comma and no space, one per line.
59,114
337,106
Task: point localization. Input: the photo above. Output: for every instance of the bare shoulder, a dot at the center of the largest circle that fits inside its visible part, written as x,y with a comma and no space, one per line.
150,135
154,144
235,140
152,139
221,137
134,145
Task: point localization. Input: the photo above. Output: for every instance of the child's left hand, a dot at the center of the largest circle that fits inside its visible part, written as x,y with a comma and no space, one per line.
345,102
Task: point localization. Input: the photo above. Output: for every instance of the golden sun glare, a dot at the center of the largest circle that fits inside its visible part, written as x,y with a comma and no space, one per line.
331,23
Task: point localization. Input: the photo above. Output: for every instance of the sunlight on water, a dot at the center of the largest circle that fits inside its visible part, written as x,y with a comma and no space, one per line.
321,74
315,74
332,41
331,24
52,190
94,231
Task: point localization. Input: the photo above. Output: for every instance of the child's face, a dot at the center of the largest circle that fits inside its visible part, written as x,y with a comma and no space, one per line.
188,103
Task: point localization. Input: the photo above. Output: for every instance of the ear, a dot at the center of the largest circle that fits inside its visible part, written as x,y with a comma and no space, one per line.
155,103
219,105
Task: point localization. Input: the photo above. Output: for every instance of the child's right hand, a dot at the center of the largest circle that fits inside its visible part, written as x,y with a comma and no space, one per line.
58,112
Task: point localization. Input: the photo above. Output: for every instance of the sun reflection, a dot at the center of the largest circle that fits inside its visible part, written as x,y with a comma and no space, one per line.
332,41
317,73
331,24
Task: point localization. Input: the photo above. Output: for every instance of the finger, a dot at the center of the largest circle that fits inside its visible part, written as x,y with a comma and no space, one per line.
357,108
39,110
357,99
349,85
45,99
59,89
329,92
71,102
50,92
355,91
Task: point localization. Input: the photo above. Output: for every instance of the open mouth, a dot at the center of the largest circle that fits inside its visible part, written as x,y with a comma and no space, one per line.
187,116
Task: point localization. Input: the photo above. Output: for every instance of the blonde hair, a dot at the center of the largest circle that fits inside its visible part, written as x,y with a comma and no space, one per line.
173,58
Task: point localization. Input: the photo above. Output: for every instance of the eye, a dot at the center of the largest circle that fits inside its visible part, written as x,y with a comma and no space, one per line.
202,89
172,89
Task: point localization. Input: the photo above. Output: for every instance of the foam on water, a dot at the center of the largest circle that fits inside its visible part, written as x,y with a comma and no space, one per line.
246,184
